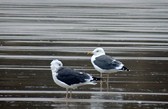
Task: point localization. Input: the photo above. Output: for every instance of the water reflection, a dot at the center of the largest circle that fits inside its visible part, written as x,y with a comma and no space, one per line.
104,105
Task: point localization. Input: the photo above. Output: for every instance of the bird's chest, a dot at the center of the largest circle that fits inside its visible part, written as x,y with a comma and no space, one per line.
95,66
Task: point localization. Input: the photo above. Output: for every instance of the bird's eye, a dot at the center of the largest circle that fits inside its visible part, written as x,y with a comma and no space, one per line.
59,64
97,51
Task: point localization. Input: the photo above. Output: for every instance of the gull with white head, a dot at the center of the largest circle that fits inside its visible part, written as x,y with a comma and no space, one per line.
69,78
105,64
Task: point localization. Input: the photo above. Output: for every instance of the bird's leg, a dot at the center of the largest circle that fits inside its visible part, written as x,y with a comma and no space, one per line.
66,93
101,81
70,93
107,82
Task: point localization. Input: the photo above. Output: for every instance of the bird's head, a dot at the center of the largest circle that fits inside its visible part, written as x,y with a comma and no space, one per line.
97,52
56,65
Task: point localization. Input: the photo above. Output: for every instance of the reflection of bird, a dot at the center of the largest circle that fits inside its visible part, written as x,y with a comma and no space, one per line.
69,78
105,64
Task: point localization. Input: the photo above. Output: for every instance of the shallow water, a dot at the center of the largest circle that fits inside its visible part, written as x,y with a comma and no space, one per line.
32,33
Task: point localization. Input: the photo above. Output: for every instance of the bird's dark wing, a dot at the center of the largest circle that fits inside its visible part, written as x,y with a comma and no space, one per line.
70,76
106,62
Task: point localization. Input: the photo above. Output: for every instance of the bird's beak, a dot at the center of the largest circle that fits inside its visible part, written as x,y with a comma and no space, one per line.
89,53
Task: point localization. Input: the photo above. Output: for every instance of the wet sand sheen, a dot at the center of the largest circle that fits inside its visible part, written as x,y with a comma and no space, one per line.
82,100
32,33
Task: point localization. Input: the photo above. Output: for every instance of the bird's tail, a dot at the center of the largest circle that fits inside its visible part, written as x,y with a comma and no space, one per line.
93,80
96,79
125,68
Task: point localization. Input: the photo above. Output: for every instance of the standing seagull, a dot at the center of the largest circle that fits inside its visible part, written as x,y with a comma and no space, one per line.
105,64
69,78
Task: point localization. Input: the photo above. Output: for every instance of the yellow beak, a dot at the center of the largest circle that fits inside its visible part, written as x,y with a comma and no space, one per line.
89,53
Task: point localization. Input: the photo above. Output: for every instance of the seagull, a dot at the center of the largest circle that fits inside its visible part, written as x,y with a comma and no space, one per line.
69,78
105,64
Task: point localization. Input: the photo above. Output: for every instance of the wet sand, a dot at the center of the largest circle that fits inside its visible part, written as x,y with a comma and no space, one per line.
32,33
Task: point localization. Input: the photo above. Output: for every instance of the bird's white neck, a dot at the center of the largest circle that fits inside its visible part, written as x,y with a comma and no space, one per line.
54,70
97,55
54,75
